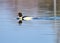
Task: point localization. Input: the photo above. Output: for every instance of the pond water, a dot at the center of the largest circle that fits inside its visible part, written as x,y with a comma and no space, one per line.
34,31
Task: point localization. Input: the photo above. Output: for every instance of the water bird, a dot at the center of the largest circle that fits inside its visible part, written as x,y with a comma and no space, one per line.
21,17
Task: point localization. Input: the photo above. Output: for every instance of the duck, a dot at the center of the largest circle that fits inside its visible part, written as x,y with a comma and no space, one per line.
21,17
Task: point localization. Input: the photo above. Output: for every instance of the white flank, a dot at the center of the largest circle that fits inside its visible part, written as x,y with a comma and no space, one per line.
28,18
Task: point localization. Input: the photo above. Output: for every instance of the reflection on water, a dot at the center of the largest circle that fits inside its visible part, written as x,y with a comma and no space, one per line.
58,7
46,7
34,31
57,26
20,22
58,21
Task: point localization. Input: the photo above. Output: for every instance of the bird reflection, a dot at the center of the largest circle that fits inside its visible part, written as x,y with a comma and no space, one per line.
20,22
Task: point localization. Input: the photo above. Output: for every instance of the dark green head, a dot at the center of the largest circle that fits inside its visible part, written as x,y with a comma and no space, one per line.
20,14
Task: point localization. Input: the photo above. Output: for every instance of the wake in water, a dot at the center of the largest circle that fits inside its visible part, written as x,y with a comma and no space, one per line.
47,18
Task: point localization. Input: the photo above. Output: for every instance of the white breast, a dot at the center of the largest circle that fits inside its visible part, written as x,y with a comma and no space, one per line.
20,18
28,18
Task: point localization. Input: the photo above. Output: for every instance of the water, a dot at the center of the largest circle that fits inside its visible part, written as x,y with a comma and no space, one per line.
34,31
